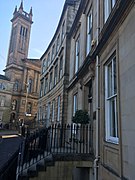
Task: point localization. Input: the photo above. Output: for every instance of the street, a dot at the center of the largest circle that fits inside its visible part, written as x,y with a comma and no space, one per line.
9,144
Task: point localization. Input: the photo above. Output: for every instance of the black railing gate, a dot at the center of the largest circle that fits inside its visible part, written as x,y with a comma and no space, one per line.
56,139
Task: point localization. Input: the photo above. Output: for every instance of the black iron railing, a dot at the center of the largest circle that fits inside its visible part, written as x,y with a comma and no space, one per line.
56,139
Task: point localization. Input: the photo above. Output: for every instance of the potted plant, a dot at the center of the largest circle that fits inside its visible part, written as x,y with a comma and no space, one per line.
81,117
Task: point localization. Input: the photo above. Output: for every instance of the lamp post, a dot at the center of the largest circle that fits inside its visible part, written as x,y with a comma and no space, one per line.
26,99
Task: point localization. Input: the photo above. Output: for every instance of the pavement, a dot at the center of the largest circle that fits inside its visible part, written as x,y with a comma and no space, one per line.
10,141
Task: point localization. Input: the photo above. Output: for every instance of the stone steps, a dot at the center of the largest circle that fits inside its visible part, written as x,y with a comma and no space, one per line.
33,171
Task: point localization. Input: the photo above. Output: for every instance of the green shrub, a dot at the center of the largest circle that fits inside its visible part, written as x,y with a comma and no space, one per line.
81,117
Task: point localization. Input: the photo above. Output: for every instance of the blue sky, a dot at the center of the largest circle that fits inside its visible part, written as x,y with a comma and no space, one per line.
46,15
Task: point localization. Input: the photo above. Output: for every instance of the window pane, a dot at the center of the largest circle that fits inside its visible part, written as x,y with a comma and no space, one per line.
114,76
29,108
110,79
113,3
58,113
46,85
53,49
53,106
44,108
63,31
48,111
106,9
50,80
75,104
30,86
41,90
89,32
88,43
55,75
48,59
111,101
16,85
2,101
108,5
61,67
77,52
58,43
113,120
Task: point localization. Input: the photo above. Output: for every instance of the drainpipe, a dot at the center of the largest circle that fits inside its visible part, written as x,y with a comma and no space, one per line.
97,103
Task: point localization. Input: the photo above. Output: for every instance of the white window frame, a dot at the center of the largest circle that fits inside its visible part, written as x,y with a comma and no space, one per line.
111,108
89,32
58,109
77,53
108,5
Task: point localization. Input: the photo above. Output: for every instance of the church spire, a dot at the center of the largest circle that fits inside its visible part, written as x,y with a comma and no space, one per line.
31,11
21,5
15,10
30,14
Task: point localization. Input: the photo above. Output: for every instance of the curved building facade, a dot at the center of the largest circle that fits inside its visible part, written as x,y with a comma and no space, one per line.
55,72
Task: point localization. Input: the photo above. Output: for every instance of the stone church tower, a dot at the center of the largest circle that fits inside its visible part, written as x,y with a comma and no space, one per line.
23,72
20,36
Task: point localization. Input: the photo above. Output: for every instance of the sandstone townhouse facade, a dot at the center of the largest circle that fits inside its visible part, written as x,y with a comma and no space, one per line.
97,76
55,71
115,51
6,88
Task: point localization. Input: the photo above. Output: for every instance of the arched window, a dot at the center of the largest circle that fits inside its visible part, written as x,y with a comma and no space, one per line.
14,105
29,108
16,85
30,86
